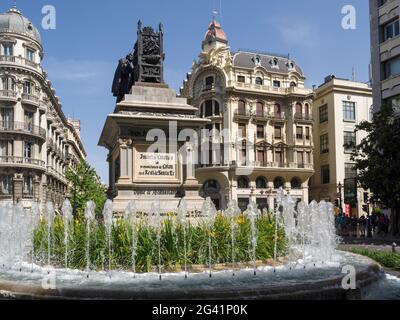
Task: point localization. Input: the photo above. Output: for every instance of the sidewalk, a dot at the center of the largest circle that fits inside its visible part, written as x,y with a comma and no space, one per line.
379,243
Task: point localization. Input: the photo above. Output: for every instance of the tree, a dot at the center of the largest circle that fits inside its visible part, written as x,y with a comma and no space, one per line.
86,186
378,161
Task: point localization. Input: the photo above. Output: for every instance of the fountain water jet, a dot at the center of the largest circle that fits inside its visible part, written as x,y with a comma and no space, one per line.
253,212
108,222
130,217
67,217
279,199
50,214
209,211
89,216
182,218
156,214
232,212
35,215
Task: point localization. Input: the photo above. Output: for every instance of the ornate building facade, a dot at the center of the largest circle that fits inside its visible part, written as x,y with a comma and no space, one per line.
260,103
37,141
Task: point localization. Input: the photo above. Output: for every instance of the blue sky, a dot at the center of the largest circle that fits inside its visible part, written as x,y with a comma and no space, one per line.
82,53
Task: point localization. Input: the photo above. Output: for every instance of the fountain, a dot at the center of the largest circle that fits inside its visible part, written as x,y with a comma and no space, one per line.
130,217
89,216
209,211
253,213
50,214
233,212
156,215
182,213
284,245
108,222
67,217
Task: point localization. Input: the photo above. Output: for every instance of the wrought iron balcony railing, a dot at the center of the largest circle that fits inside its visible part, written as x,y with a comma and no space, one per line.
21,161
28,128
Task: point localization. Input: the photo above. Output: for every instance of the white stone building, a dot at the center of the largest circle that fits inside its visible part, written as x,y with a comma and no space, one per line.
339,106
37,141
260,101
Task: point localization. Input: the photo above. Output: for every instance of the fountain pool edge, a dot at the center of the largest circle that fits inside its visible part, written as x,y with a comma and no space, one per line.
326,287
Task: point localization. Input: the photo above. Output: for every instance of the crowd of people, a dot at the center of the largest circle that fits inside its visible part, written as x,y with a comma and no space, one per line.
365,226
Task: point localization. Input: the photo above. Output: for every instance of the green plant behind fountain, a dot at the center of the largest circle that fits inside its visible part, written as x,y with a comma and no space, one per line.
172,242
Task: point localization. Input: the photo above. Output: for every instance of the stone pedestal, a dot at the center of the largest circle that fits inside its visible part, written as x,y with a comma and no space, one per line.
148,160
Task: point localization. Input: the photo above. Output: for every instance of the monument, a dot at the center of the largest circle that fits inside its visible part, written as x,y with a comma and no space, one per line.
149,136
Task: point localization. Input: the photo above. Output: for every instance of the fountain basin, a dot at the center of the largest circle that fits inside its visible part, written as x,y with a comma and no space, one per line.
322,281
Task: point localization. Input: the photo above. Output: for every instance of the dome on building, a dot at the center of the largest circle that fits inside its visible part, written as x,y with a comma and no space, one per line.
215,33
14,22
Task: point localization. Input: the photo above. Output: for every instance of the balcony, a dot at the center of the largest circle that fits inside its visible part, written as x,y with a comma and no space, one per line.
13,161
22,127
213,88
30,99
307,118
8,95
55,174
19,61
278,117
261,117
282,165
269,89
302,140
242,115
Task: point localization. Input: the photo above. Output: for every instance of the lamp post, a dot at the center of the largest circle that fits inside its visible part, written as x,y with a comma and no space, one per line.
74,206
340,198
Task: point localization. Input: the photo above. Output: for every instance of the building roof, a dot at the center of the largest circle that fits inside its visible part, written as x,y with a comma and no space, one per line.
13,21
215,33
272,63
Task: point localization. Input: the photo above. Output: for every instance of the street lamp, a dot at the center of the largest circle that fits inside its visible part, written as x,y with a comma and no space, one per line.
340,198
75,204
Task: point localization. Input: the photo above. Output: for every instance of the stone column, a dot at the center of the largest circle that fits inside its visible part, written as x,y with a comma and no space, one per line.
125,160
306,197
191,184
18,181
36,188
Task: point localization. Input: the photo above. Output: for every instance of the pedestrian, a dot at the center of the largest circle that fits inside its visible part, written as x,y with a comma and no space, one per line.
369,226
374,222
381,223
339,223
361,223
386,224
353,224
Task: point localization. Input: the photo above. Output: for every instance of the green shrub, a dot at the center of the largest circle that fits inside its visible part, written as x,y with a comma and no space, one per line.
172,243
386,259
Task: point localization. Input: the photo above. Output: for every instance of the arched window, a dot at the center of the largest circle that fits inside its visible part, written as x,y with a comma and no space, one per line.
211,186
243,183
241,107
260,109
277,109
299,109
293,84
210,108
259,81
261,183
216,108
307,110
296,183
279,183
